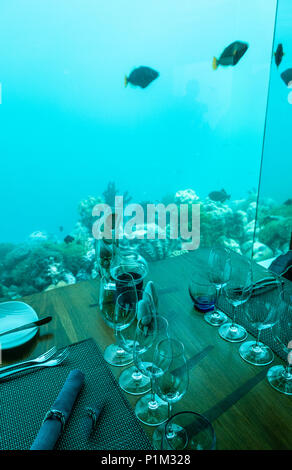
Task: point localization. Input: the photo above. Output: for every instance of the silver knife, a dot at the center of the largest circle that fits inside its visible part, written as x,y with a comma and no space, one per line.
40,322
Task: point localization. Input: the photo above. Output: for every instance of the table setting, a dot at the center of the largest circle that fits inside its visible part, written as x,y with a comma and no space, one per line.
68,397
266,311
81,381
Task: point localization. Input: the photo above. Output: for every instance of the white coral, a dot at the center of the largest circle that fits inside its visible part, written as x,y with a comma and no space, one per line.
186,196
55,270
38,236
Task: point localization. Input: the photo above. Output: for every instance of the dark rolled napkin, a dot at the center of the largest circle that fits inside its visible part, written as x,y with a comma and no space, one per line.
52,427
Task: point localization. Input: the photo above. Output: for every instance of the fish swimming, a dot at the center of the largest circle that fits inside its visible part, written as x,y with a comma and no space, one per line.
141,76
287,76
69,239
231,54
279,54
288,202
219,196
272,218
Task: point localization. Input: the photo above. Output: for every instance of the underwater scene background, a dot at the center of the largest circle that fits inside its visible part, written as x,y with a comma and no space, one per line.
73,135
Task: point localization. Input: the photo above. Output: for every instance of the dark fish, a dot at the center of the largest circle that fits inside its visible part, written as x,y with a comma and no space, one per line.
287,76
219,196
142,77
61,228
272,218
69,239
231,54
288,202
279,54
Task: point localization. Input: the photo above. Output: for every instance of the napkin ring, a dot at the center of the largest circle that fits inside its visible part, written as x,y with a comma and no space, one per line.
92,413
59,415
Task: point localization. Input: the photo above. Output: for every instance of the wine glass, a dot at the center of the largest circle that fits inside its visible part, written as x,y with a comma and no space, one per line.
150,409
262,312
219,271
237,291
118,315
131,379
280,377
171,379
127,262
194,432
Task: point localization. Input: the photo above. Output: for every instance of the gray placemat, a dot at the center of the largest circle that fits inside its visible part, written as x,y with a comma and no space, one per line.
25,399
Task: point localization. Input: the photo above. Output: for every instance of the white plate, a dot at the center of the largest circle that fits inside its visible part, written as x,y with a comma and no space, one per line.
12,315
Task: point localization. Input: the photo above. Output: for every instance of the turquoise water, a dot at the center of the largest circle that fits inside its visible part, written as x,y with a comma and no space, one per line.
68,125
277,161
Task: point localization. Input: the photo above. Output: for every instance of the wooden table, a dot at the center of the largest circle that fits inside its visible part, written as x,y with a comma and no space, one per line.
247,413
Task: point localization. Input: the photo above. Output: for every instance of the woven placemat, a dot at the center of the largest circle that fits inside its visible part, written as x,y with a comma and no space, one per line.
266,335
25,399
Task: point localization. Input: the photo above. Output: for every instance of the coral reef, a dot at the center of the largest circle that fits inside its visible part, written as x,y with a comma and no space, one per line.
151,247
84,226
31,268
186,196
44,262
111,192
259,250
275,229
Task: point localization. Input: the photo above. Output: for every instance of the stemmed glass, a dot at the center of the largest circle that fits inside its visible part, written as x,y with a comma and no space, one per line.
118,315
131,379
194,432
280,377
171,379
219,271
150,409
237,291
262,312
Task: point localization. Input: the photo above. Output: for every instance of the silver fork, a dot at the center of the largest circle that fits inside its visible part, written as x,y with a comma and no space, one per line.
42,358
50,363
